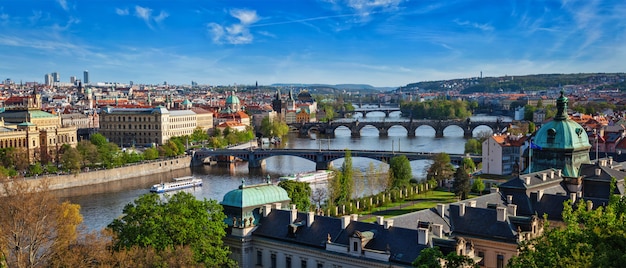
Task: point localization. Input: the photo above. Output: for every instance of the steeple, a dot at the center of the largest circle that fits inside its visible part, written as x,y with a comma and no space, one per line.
561,107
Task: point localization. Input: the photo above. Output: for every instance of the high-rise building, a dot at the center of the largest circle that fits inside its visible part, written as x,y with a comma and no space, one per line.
56,77
73,79
48,79
86,77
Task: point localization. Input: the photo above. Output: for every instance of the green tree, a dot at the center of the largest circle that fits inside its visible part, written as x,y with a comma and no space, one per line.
35,169
469,165
180,220
433,258
70,159
588,238
151,154
400,167
199,135
342,184
88,152
473,146
273,128
299,192
441,168
98,139
461,183
478,186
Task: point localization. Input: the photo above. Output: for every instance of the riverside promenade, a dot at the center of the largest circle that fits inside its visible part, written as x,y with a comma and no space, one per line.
57,182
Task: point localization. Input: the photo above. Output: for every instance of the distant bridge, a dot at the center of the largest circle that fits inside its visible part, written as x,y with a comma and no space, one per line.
365,111
383,127
322,158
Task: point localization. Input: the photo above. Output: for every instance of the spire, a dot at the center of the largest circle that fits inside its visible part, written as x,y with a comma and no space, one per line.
278,94
291,94
561,107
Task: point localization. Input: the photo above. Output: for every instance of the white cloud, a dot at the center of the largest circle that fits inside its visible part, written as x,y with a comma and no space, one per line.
145,14
366,7
37,15
483,27
236,33
63,4
121,12
161,16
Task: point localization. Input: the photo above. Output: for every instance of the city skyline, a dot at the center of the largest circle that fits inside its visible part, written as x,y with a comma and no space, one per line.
381,43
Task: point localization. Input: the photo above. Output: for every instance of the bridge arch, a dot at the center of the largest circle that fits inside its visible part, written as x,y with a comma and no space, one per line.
479,129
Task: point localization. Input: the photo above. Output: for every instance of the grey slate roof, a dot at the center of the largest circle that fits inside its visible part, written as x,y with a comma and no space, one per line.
401,242
481,222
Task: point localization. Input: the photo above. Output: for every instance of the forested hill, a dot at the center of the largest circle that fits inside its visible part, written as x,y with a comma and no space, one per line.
525,82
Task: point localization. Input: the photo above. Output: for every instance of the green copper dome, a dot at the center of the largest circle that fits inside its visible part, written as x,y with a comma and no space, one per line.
255,195
562,132
232,99
561,143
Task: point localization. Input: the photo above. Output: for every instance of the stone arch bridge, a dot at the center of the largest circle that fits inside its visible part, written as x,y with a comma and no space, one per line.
322,158
411,126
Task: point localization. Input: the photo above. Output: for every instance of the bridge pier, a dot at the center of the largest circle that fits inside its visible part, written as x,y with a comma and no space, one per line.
411,132
383,132
323,165
467,133
387,114
256,164
439,133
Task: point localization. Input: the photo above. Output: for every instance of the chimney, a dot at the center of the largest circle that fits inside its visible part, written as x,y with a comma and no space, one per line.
598,171
461,209
471,203
512,209
380,219
422,236
501,211
544,176
310,218
354,217
552,174
294,214
589,205
388,224
539,195
580,194
610,161
345,221
573,197
267,208
277,206
437,230
494,190
559,172
527,180
509,199
441,209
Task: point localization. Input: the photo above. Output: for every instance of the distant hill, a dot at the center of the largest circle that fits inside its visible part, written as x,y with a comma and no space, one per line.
362,88
524,83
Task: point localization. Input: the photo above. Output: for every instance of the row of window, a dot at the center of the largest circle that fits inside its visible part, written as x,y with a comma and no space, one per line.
120,126
182,119
130,119
288,261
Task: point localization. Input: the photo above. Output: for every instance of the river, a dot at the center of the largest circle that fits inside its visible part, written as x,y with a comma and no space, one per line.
100,204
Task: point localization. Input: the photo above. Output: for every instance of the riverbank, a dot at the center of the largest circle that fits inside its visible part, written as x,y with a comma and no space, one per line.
58,182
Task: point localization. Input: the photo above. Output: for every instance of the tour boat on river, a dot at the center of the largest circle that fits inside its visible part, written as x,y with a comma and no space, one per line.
310,177
176,184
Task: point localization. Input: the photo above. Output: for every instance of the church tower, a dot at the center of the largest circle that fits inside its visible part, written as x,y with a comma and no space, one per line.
561,143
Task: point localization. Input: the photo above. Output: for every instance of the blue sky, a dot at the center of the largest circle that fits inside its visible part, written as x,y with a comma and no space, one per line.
376,42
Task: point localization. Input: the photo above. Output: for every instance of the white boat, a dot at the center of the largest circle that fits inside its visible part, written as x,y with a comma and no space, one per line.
176,184
310,177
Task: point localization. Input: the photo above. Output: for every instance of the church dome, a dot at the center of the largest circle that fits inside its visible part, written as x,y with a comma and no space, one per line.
562,132
232,99
255,195
561,143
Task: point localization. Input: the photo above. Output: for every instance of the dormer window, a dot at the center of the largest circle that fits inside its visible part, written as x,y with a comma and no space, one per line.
551,135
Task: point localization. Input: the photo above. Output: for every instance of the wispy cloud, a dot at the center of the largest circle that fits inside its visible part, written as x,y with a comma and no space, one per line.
121,12
236,33
145,14
483,27
63,4
366,7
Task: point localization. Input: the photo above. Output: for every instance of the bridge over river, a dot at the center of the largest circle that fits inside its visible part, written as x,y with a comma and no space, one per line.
411,126
322,158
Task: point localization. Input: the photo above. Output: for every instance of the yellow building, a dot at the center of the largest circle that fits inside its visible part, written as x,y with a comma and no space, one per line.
39,132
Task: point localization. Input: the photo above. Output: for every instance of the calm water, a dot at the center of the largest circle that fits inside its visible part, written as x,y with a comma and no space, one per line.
101,204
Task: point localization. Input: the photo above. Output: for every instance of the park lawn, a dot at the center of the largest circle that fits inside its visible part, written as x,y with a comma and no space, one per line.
417,202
